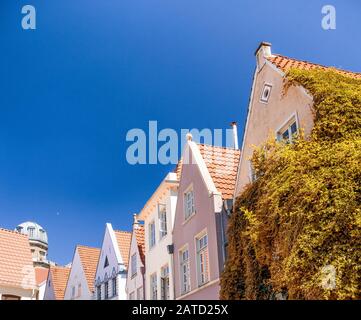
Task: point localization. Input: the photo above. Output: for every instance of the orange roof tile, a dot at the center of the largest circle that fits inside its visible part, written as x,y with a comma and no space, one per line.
139,235
222,164
124,239
41,274
285,63
59,277
16,264
89,259
178,168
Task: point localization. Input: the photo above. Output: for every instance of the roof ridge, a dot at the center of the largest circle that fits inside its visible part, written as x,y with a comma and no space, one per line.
88,247
220,147
121,231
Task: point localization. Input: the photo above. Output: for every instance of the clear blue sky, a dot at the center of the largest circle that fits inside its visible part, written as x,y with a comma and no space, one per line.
93,69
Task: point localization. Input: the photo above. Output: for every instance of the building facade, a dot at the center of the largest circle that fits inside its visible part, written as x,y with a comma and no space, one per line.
204,197
80,284
111,273
56,283
158,215
136,270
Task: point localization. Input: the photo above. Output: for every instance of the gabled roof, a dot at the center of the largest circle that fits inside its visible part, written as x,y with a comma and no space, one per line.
59,277
16,264
222,164
123,240
285,63
41,274
89,259
139,236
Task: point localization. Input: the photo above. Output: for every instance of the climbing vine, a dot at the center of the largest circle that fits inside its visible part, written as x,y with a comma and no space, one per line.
296,231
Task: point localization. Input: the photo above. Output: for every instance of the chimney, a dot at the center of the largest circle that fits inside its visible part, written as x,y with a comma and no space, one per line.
235,135
263,51
135,221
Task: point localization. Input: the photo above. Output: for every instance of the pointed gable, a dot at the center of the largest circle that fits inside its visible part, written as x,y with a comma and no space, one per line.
123,240
16,264
89,259
59,277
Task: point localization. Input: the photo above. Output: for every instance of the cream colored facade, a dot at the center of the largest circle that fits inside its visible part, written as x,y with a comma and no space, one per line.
268,119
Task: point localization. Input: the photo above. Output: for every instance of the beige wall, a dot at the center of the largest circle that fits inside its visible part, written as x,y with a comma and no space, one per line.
264,119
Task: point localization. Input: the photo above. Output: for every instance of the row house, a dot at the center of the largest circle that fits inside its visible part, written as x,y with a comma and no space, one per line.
272,111
17,273
136,271
56,283
80,284
111,272
205,197
158,216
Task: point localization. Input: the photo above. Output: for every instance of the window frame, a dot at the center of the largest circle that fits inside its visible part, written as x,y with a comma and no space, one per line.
153,279
184,287
133,265
266,86
152,235
162,213
202,251
286,126
187,215
165,282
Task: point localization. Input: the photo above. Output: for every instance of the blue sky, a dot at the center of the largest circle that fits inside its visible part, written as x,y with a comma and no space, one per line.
93,69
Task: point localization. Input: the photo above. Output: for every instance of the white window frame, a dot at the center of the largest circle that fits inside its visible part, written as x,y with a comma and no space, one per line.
185,287
162,218
165,283
140,295
133,265
266,86
287,126
153,279
201,251
152,234
189,206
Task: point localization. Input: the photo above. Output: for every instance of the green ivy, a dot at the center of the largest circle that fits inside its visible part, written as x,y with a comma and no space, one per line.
302,216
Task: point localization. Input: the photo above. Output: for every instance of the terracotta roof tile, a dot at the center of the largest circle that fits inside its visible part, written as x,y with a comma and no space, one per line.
41,274
123,239
222,164
89,259
59,277
139,234
285,63
16,264
178,168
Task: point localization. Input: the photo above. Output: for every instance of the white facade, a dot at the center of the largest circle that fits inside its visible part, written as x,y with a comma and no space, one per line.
8,293
136,271
157,259
77,286
49,289
111,274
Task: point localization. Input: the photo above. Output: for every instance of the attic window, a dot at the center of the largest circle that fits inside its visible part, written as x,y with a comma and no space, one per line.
266,92
106,263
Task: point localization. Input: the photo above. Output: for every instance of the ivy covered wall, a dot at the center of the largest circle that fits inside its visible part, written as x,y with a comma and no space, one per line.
296,231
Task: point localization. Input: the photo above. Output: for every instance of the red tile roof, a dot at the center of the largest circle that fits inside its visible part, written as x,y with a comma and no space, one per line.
285,63
41,274
178,168
123,239
16,264
59,277
139,235
222,164
89,259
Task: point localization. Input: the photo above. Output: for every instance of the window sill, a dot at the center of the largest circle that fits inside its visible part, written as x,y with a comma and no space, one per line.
189,218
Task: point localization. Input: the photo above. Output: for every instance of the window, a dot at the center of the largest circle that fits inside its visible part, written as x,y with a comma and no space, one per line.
184,271
79,290
73,292
151,234
289,132
189,204
162,214
252,172
153,287
202,259
31,231
266,92
106,290
99,292
114,286
133,264
140,293
165,283
42,234
132,296
106,262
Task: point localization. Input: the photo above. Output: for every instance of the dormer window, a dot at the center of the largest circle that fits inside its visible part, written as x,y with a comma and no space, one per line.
266,92
31,231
